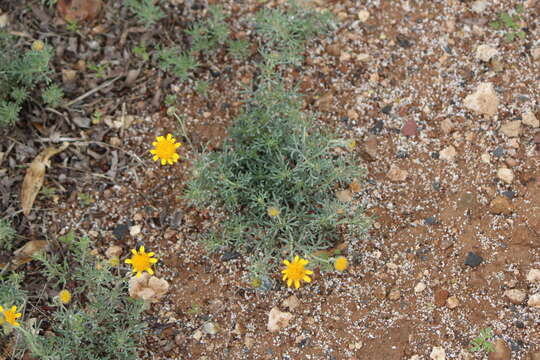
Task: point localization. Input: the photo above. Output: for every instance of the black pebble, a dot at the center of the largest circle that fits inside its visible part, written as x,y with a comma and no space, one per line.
230,255
377,127
435,155
498,152
402,154
120,231
509,194
473,260
387,109
430,220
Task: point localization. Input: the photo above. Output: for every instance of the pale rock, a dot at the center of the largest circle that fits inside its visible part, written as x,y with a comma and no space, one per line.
197,335
486,158
135,230
448,153
291,302
534,301
146,287
512,128
419,287
452,302
528,118
479,6
438,353
363,15
536,53
210,328
394,295
278,320
344,195
502,351
249,342
345,56
415,357
513,143
533,275
396,174
515,296
484,100
505,175
485,52
447,126
363,57
113,251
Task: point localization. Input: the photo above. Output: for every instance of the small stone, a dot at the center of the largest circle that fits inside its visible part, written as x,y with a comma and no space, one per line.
485,52
113,251
485,158
448,153
438,353
501,205
502,351
528,118
534,301
291,302
396,174
440,297
4,20
452,302
363,57
505,175
394,295
334,49
363,15
197,335
511,128
533,275
278,320
135,230
419,287
473,260
479,6
536,53
515,296
483,101
230,255
210,328
410,128
447,126
371,147
249,342
120,231
432,220
509,194
499,151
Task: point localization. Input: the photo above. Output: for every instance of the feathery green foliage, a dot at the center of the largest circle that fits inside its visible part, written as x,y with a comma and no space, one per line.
180,64
146,11
273,157
208,35
7,234
52,95
21,71
101,321
510,24
482,343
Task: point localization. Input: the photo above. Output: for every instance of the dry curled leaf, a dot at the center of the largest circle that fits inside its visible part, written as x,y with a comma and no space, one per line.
278,320
79,10
35,174
354,186
344,195
25,253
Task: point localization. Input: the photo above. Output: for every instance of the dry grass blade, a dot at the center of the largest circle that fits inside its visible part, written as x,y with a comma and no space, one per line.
35,174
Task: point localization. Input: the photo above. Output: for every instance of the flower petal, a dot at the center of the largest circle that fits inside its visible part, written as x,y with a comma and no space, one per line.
134,252
150,271
306,279
163,161
141,249
153,261
284,278
297,284
289,282
304,262
296,258
286,262
308,272
128,261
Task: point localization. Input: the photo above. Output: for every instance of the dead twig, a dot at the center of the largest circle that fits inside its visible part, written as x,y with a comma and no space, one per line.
88,93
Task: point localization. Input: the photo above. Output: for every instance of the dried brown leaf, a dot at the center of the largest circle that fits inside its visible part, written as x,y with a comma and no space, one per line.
24,254
79,10
344,195
35,174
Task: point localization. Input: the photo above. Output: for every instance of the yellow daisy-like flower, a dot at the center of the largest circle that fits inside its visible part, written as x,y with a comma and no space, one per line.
38,45
65,296
296,271
341,263
141,261
273,211
114,261
351,145
11,315
165,149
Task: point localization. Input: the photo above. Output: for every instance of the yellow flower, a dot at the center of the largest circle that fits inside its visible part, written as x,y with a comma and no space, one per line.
273,211
65,296
11,315
296,271
351,145
165,149
114,261
141,261
341,263
38,45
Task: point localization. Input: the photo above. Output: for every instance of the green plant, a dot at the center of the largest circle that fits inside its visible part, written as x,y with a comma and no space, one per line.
194,310
207,35
98,69
52,95
239,49
7,234
202,86
47,192
73,26
21,72
100,322
141,51
180,64
85,199
510,23
481,343
146,11
287,32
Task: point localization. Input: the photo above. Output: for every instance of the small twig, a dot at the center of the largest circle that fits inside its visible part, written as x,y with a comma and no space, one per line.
94,90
